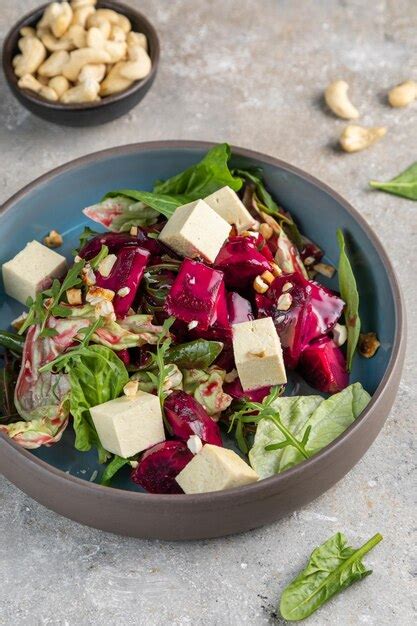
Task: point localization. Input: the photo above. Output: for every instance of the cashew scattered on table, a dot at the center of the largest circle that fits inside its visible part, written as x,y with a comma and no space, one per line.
336,96
77,53
404,94
79,58
33,54
54,64
355,138
59,84
93,71
84,92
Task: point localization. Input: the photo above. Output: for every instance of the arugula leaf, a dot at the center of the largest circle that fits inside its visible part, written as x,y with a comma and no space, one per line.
204,178
349,292
404,185
310,419
158,361
95,261
115,465
85,236
332,567
198,354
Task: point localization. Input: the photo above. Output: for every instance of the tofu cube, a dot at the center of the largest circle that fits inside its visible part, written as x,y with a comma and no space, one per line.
195,230
215,469
230,207
130,424
32,270
258,354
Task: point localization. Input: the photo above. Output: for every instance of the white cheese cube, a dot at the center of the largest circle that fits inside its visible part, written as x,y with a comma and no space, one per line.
31,271
129,424
215,469
258,354
230,207
195,230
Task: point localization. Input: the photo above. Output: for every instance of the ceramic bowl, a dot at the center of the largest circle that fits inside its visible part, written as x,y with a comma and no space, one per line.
60,477
86,114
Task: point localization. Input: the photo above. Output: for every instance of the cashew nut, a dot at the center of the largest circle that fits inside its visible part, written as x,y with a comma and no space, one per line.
53,44
103,14
116,50
117,33
27,31
79,58
114,82
77,35
59,84
355,138
48,93
137,39
16,60
82,14
29,82
84,92
58,17
44,80
33,54
77,4
337,100
54,64
403,95
92,71
139,65
124,23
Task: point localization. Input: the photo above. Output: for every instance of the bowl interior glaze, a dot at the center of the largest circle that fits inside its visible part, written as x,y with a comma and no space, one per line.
55,201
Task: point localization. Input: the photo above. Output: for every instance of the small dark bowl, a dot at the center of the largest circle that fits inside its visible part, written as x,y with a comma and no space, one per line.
91,113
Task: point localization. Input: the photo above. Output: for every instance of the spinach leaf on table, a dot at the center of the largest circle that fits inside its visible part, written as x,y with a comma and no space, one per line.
404,185
312,418
349,292
332,567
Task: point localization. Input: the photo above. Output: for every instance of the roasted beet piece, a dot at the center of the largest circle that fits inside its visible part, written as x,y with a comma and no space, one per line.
241,262
127,273
323,366
160,465
235,390
187,417
302,311
116,241
194,294
240,309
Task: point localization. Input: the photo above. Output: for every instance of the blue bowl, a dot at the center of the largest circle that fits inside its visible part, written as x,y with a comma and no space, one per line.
60,477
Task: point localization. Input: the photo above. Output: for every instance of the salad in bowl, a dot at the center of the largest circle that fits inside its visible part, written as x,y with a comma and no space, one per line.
195,342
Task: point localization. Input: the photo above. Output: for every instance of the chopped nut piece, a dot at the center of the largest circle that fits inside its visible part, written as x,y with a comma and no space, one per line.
276,270
95,295
131,388
266,231
339,334
192,324
74,296
368,344
324,269
271,222
124,291
19,321
134,231
194,444
106,265
287,287
268,277
53,240
259,285
87,276
284,302
309,261
104,308
230,376
77,258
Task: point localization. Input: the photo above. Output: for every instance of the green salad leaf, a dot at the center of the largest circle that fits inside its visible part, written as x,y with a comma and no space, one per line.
404,185
112,468
161,203
332,567
309,418
349,292
204,178
198,354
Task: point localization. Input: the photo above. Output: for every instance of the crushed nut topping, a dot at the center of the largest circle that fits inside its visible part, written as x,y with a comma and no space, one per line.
339,333
53,240
74,296
368,344
284,302
19,321
194,444
134,231
123,291
287,287
106,265
268,277
131,388
95,295
266,231
276,270
324,269
87,276
192,324
259,285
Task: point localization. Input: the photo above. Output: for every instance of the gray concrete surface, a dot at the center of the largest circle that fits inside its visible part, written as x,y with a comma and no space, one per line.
249,72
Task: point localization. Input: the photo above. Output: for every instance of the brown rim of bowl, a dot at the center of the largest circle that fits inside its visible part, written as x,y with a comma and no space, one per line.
154,52
265,486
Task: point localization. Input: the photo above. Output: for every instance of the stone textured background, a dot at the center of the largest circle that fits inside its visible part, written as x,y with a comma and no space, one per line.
250,72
